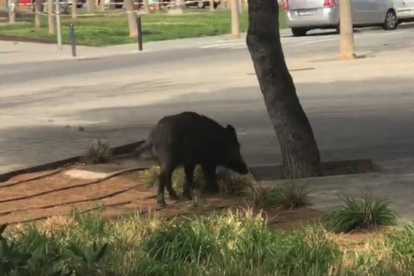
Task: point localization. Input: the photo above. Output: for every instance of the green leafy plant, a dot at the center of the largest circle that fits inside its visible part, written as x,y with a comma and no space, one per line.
89,261
98,152
15,261
288,196
361,213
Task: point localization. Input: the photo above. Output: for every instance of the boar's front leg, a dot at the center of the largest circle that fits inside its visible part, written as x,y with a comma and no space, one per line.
210,176
189,181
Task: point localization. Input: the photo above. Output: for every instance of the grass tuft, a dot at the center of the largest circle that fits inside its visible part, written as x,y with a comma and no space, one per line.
288,196
98,152
149,176
362,213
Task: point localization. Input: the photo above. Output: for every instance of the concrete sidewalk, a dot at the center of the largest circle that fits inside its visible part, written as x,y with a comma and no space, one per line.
17,52
23,52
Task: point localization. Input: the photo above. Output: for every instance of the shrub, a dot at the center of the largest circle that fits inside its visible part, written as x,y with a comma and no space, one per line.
361,213
98,152
287,196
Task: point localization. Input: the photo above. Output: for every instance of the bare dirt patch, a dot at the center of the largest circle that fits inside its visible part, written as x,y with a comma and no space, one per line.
36,196
52,193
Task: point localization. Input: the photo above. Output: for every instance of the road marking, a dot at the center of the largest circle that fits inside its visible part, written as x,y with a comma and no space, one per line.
299,41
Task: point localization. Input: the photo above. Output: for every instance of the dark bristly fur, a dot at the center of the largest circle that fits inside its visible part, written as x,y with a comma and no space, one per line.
188,139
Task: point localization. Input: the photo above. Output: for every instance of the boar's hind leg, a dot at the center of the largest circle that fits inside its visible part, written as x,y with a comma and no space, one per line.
189,181
210,176
164,181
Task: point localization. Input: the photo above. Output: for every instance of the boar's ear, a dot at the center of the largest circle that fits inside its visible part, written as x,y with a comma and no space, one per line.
230,129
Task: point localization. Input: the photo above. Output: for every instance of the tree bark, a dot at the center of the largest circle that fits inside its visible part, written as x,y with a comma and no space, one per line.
211,5
346,30
235,23
300,153
51,18
132,18
74,12
12,11
146,5
38,15
90,5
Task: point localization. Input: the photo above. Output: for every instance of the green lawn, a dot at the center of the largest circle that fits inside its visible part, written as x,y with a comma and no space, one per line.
112,30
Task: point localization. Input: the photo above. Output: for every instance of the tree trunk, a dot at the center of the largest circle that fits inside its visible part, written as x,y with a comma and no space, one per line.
90,5
146,8
132,18
299,149
38,10
102,4
12,11
235,23
346,30
74,12
52,18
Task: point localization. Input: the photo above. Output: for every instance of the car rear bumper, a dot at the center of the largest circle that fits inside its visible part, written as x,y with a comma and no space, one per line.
322,17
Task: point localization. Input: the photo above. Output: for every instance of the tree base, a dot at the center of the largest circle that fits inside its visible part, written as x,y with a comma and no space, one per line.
235,36
349,56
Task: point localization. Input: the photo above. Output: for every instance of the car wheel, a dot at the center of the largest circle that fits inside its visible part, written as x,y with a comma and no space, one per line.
390,22
299,31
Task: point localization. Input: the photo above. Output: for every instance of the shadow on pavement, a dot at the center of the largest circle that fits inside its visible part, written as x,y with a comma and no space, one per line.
351,120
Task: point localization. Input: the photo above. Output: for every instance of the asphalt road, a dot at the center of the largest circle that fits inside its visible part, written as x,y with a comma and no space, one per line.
120,98
319,44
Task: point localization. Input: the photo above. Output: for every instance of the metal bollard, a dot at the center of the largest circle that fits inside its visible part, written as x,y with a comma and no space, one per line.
139,29
72,39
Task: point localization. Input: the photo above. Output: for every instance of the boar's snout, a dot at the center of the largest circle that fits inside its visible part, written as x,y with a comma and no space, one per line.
238,165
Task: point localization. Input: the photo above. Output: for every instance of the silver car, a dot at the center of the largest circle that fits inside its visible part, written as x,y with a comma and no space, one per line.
305,15
405,10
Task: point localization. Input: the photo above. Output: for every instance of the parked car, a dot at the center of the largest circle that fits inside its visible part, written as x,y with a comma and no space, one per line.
306,15
201,3
68,3
405,10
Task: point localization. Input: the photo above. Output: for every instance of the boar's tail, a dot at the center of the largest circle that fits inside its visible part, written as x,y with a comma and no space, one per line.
143,147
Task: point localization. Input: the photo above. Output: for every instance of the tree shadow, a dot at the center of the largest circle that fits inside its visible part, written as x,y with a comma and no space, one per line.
351,120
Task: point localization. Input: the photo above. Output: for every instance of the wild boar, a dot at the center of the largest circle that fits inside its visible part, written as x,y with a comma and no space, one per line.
188,139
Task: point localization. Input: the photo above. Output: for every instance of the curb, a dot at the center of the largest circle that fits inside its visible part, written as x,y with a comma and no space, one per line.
120,150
